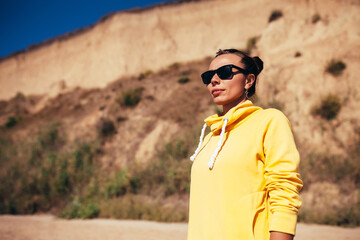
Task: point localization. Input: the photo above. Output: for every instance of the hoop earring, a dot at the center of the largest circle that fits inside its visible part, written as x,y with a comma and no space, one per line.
246,94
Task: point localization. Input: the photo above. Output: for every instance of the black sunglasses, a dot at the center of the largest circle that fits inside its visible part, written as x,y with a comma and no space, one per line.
224,73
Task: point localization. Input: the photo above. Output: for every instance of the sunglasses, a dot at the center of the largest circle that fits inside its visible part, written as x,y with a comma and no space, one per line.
224,73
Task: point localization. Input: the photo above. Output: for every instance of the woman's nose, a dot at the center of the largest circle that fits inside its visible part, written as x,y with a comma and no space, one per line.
215,79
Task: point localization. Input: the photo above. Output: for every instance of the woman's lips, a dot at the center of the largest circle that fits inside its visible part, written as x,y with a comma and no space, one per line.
216,92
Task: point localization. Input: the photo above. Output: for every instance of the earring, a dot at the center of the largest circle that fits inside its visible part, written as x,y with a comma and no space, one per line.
246,94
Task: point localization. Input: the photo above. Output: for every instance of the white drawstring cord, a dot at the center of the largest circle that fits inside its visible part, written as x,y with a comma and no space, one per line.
200,142
216,152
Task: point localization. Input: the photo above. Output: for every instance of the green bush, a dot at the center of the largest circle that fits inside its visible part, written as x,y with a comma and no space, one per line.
130,98
174,66
82,163
144,207
335,67
345,216
47,177
49,138
44,178
297,54
117,186
342,171
5,154
121,119
170,171
144,75
11,122
251,44
183,80
331,168
20,96
321,167
275,14
106,128
329,107
315,18
80,209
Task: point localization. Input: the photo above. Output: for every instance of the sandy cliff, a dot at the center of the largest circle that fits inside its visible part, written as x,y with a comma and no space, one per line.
127,43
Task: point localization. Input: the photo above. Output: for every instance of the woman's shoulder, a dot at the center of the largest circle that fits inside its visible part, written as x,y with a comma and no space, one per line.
270,113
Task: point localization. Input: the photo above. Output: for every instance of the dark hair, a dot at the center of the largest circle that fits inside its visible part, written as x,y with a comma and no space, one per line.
254,65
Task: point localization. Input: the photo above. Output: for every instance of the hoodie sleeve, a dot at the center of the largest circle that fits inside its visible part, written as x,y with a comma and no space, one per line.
282,180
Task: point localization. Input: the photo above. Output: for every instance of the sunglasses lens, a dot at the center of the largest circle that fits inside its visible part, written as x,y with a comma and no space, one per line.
225,72
207,76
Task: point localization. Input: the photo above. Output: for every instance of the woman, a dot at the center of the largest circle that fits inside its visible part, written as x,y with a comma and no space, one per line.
244,180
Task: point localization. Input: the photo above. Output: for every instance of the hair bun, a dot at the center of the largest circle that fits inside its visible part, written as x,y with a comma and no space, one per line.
259,63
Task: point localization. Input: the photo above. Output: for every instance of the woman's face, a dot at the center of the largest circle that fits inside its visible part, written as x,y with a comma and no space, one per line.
228,92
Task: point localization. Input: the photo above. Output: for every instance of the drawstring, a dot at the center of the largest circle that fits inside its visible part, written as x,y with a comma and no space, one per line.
200,142
216,152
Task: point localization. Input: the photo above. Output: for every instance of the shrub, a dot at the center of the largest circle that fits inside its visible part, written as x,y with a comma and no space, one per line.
144,75
121,119
331,168
335,67
130,98
11,122
145,208
297,54
40,174
106,128
90,210
341,174
328,108
117,186
174,66
321,167
135,184
251,44
62,184
170,171
49,138
80,209
315,18
275,14
183,80
20,96
93,188
82,163
339,216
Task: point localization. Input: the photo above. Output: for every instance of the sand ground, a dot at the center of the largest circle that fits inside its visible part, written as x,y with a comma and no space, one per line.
47,227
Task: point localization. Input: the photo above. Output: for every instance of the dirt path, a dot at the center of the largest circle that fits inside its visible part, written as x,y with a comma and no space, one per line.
44,227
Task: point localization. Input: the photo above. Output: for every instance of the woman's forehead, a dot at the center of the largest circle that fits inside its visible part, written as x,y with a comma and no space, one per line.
226,59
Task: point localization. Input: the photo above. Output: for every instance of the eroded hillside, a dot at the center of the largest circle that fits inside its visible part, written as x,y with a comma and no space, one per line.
139,129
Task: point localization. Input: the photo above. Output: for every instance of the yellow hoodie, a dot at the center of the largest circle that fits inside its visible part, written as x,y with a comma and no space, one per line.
244,180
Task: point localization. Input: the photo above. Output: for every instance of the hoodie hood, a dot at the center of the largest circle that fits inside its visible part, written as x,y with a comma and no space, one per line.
219,124
234,116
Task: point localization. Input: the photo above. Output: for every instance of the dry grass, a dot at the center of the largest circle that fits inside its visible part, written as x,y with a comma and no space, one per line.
331,192
42,170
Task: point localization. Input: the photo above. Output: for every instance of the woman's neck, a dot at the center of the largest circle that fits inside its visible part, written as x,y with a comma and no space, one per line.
229,106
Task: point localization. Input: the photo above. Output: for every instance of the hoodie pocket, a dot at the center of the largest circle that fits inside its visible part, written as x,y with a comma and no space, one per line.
260,226
248,219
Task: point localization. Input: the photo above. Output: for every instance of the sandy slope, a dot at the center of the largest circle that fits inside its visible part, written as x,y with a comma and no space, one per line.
50,228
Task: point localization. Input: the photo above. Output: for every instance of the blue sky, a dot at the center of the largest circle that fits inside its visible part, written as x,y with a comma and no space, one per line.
26,22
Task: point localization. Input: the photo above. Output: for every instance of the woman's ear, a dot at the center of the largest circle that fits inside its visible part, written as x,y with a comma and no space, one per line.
249,81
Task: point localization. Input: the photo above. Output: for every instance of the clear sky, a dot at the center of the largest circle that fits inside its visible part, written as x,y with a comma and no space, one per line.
26,22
